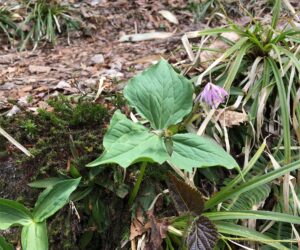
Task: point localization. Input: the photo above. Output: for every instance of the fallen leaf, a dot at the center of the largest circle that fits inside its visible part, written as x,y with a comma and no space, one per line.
147,59
26,88
41,89
98,59
7,86
159,229
39,69
229,118
169,16
15,109
137,225
62,85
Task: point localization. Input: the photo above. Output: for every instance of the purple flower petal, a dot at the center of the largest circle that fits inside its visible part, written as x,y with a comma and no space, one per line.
212,95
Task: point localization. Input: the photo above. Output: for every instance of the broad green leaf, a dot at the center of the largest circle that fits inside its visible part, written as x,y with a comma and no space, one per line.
193,151
127,142
34,237
203,235
4,245
54,198
256,215
253,183
160,95
185,197
244,232
13,213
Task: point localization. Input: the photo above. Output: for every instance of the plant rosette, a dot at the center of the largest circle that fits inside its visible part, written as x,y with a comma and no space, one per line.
163,98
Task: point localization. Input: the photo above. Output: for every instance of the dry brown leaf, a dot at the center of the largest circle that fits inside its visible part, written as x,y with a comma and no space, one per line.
229,118
147,59
39,69
137,225
41,89
158,232
169,16
26,88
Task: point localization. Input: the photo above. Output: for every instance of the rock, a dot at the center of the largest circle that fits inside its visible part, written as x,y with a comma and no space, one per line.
62,85
13,111
97,59
23,101
112,73
7,86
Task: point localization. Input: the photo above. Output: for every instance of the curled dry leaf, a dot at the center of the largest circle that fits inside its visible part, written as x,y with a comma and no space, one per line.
159,229
137,225
169,16
154,229
229,118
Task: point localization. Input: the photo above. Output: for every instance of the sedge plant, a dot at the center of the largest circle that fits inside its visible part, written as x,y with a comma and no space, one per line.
261,71
46,19
7,21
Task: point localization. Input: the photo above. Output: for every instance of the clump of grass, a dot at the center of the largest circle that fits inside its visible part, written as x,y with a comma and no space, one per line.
45,20
7,24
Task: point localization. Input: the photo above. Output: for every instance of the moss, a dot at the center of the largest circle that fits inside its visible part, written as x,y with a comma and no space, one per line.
72,132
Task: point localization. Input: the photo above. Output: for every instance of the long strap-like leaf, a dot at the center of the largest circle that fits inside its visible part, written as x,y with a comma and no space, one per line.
256,215
253,183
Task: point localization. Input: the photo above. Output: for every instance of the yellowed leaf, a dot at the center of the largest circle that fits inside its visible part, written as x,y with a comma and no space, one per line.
229,118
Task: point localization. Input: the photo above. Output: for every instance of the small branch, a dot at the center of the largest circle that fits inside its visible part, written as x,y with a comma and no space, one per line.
13,141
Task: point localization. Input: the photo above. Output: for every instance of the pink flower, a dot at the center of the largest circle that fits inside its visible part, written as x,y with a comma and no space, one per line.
212,95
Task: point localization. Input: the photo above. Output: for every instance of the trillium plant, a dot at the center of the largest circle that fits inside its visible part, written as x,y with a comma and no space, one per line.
163,98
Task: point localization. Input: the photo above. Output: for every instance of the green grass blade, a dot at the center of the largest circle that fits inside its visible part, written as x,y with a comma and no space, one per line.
291,56
251,235
236,65
253,183
284,110
229,52
225,193
276,13
214,31
256,215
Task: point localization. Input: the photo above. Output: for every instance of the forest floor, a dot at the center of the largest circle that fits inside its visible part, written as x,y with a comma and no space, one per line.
92,65
77,67
76,64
